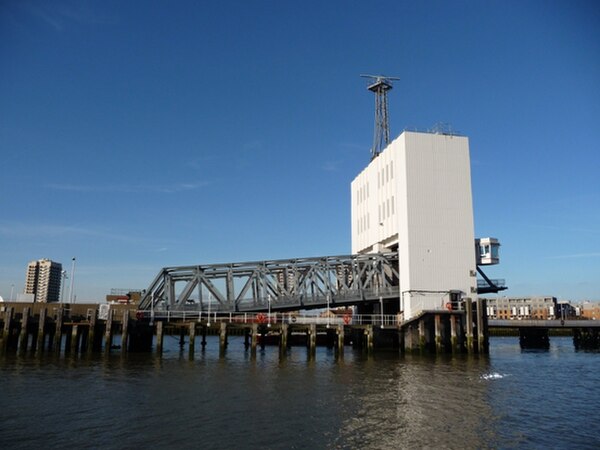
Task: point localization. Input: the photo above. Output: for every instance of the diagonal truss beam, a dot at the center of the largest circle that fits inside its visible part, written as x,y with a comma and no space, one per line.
280,285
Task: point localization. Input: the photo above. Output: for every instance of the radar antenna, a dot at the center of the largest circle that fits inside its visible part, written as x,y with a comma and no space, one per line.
379,85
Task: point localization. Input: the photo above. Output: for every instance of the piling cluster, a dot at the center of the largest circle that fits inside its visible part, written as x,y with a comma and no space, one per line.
38,328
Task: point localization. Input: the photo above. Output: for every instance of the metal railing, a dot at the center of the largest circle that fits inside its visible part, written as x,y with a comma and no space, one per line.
273,318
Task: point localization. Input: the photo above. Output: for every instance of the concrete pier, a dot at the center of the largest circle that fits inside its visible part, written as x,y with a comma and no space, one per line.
534,338
586,339
87,332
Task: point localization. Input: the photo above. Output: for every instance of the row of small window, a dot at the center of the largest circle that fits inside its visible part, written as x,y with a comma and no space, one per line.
363,193
385,174
386,209
363,223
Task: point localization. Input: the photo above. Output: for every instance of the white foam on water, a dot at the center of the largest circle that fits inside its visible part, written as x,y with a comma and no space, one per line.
492,376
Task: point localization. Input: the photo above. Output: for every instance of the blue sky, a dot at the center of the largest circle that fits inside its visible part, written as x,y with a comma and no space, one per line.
137,135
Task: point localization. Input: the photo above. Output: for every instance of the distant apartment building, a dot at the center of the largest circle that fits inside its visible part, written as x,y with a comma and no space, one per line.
43,280
522,308
589,310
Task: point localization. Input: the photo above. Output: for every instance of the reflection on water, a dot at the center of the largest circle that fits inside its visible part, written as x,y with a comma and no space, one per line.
420,401
510,399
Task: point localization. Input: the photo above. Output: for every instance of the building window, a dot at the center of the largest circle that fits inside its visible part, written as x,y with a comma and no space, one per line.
392,204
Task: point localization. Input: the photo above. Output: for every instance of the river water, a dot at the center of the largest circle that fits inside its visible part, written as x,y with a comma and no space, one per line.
509,399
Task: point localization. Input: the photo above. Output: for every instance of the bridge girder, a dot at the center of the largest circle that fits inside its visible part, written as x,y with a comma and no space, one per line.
301,283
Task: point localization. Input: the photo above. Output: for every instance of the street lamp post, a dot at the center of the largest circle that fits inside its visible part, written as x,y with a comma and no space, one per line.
269,313
71,293
209,302
327,310
381,309
152,310
63,287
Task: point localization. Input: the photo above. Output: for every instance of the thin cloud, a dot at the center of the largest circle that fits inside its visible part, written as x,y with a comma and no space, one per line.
22,230
48,18
576,255
352,145
331,166
253,145
59,15
161,189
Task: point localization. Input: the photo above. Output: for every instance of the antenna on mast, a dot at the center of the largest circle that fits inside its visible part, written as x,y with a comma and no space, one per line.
379,85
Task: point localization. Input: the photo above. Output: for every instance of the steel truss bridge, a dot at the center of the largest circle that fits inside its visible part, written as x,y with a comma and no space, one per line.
278,285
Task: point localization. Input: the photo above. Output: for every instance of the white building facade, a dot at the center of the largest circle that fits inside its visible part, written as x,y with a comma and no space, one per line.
43,280
415,196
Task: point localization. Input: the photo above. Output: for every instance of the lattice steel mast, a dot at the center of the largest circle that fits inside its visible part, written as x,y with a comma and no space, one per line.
380,85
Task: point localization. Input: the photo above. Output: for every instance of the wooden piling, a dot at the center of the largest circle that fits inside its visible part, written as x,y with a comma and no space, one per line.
369,334
454,334
246,338
8,317
24,334
340,339
422,336
481,326
159,337
439,343
409,338
283,340
58,330
469,324
125,332
91,333
192,333
204,331
223,336
108,332
312,339
41,336
181,337
254,340
74,347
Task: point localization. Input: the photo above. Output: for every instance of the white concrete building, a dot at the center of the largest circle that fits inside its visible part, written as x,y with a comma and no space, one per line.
415,196
43,280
